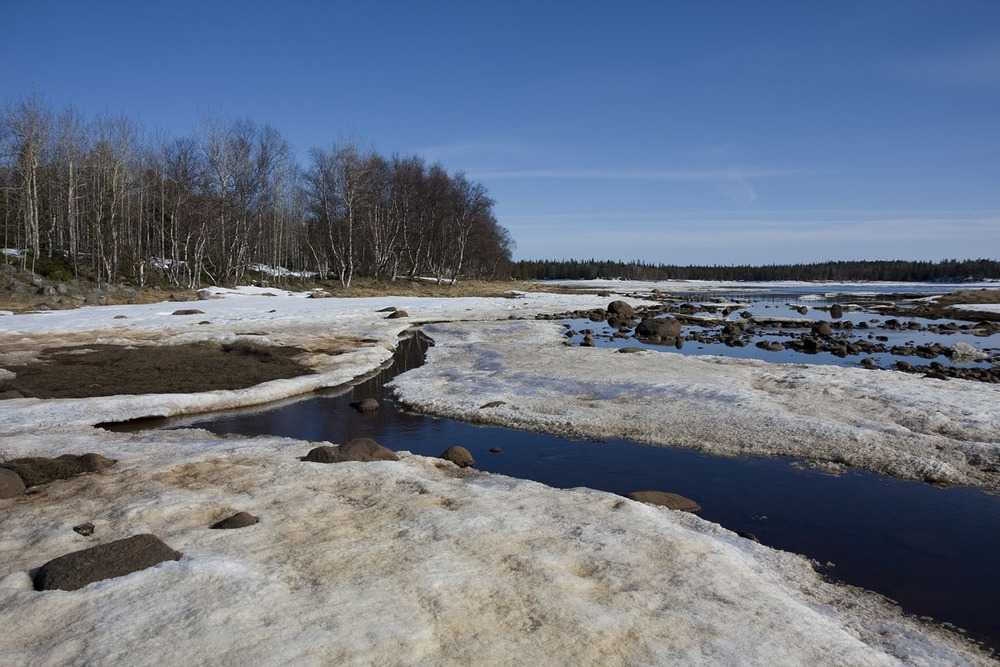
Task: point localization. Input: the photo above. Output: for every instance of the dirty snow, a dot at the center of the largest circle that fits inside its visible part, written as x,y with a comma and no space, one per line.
978,307
414,562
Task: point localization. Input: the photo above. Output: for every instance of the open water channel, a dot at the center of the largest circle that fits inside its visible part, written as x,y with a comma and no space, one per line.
931,549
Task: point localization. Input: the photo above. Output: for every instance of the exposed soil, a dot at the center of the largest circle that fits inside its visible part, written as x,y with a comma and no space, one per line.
23,292
941,307
107,370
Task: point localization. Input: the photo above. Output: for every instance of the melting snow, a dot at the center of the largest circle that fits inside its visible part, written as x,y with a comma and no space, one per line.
418,563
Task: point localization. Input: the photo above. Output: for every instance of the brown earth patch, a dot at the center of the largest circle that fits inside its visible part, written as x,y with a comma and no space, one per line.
941,306
108,370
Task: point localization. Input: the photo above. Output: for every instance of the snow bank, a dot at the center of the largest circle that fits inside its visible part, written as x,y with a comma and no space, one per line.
978,307
414,562
345,338
889,422
410,563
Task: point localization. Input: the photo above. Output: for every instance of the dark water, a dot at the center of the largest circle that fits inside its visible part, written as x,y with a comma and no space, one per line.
933,550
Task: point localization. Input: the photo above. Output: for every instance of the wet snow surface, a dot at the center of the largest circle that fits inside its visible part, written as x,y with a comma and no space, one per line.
414,562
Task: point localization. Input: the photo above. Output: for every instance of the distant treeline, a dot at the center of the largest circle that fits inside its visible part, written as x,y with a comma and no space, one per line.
948,270
106,199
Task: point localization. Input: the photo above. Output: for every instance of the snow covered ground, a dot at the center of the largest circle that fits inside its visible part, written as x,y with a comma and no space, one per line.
417,563
888,422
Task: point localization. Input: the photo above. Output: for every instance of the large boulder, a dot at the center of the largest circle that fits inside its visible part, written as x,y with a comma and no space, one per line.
357,449
658,328
11,483
35,470
114,559
621,310
665,499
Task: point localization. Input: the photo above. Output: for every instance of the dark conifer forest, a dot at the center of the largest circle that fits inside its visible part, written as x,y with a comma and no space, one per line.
948,270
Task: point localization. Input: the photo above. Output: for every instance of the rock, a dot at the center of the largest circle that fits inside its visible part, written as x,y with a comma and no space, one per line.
10,393
85,529
836,311
387,309
963,352
366,405
121,317
188,311
587,341
40,470
319,294
822,329
396,314
357,449
11,484
630,350
460,456
665,499
104,561
238,520
748,536
732,329
621,310
491,404
204,294
658,328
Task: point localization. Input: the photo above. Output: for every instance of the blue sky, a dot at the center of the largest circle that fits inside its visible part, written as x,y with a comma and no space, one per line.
680,132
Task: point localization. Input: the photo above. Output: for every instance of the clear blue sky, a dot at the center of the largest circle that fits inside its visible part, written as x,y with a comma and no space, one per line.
702,132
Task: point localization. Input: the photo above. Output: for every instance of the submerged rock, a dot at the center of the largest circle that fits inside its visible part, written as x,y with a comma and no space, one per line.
366,405
665,499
